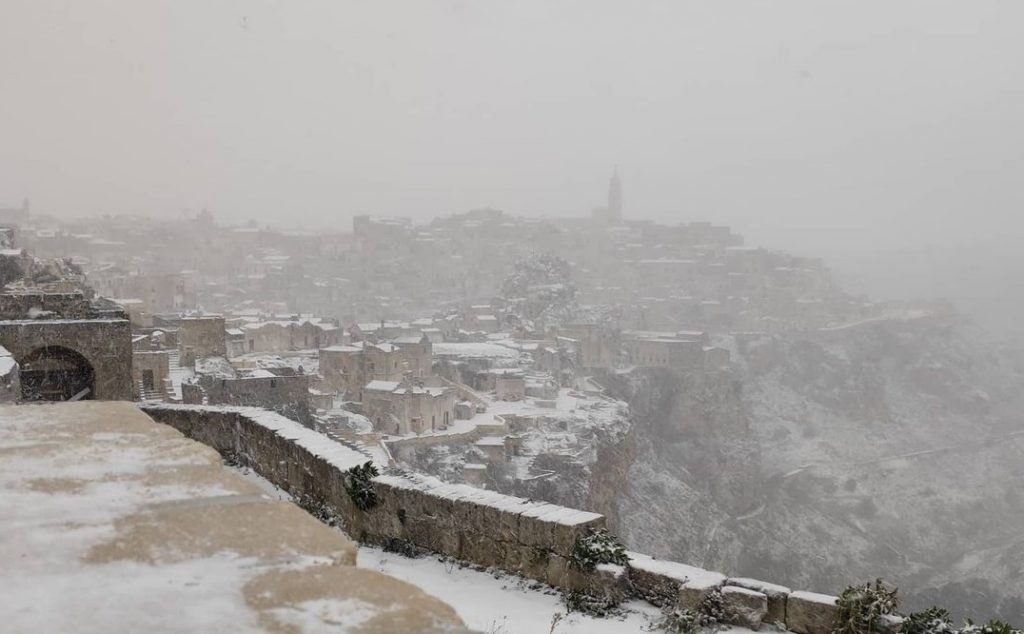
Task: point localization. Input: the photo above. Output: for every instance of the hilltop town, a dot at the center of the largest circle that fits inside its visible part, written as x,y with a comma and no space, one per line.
481,334
599,363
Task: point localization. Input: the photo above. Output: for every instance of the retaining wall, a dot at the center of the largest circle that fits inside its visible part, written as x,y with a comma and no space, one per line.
532,539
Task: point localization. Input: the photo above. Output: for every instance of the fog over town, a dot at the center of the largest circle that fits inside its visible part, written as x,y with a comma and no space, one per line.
512,317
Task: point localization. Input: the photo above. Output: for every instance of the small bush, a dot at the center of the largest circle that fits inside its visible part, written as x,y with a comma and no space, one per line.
597,547
679,622
859,608
318,509
707,616
992,627
402,547
931,621
359,485
590,604
231,459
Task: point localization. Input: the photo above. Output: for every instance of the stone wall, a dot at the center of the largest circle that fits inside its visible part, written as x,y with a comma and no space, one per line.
524,537
158,363
105,343
287,395
32,304
532,539
200,337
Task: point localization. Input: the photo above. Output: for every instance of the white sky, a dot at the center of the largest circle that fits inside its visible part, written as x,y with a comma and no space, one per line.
807,124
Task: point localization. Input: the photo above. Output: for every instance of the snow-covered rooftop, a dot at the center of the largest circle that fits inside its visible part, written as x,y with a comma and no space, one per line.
478,350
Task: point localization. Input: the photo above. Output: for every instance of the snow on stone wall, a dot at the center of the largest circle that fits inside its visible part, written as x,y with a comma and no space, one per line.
525,537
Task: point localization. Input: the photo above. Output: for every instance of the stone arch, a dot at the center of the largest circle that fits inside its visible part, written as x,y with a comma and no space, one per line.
56,373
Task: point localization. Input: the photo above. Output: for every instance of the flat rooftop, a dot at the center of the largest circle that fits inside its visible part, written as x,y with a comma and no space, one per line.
111,522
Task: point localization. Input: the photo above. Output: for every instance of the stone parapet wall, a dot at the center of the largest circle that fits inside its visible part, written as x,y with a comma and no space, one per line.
524,537
30,304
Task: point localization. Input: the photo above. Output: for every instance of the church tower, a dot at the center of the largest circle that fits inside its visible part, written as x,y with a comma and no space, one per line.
615,197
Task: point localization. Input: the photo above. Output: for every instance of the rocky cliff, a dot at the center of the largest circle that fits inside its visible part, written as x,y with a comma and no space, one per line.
889,449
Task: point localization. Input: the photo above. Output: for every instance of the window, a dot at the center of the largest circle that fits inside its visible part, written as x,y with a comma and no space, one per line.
273,382
147,380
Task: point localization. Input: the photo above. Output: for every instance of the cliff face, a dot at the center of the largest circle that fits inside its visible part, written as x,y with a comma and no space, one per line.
891,449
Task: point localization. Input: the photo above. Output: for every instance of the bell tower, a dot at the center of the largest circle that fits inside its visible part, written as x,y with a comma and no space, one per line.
615,197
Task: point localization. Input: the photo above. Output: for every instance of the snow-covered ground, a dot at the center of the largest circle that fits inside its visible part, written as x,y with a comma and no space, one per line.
500,603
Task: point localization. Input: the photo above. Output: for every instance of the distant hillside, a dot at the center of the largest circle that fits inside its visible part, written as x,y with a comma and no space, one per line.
892,449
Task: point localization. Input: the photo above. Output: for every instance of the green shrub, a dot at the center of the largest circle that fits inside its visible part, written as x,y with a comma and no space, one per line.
597,606
859,608
402,547
707,616
992,627
359,485
597,547
318,508
679,621
931,621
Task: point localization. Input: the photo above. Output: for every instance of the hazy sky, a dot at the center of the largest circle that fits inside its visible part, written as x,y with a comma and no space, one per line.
804,123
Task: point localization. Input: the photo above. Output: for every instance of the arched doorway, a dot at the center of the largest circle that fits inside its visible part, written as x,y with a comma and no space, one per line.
55,373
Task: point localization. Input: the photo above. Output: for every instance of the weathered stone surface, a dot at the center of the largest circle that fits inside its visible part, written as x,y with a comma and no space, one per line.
143,529
810,613
481,527
889,624
776,594
105,344
694,591
744,607
478,526
606,580
657,589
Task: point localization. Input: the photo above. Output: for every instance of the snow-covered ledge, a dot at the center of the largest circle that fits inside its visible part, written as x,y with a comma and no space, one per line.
532,539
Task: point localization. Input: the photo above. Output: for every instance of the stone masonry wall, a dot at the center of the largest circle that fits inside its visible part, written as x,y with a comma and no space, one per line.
528,538
105,344
200,337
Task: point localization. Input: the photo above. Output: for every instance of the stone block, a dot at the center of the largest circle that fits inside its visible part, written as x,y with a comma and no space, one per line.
557,570
776,594
744,607
694,591
889,624
810,613
534,532
658,590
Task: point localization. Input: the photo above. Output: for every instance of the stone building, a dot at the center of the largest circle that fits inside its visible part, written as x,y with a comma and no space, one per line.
279,389
200,337
666,352
510,386
684,350
159,293
349,368
407,407
67,346
597,346
417,353
151,375
284,335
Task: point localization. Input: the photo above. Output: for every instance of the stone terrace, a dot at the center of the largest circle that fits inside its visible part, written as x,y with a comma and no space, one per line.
110,522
